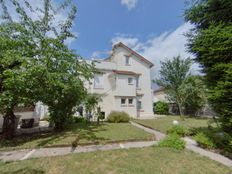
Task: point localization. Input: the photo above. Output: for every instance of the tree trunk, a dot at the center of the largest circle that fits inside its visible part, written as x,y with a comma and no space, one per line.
59,126
181,111
9,127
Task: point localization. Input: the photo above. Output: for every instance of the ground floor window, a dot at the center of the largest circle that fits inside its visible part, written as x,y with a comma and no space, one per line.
130,101
123,101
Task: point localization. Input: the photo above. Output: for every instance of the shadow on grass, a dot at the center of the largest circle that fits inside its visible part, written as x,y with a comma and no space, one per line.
83,131
25,170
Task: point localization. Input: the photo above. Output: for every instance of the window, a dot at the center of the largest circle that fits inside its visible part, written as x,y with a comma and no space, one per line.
139,105
98,81
127,60
130,81
130,101
137,82
123,101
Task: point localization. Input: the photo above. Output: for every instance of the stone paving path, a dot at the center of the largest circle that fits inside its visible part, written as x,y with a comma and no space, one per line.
158,135
191,145
44,152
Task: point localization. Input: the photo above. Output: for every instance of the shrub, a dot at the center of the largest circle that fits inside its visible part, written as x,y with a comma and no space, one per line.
161,108
204,140
173,141
179,130
79,119
117,117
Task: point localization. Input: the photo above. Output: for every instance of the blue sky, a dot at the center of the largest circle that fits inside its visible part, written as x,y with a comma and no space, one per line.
100,21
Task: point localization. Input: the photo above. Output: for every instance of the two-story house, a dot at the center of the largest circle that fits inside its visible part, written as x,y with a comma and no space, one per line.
124,83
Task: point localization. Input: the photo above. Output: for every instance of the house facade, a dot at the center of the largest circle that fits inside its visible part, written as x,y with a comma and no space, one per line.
159,95
124,82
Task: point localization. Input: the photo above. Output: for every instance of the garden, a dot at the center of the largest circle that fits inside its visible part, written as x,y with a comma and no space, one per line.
80,131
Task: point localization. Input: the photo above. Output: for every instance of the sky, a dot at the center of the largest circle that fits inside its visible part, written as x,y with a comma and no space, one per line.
153,28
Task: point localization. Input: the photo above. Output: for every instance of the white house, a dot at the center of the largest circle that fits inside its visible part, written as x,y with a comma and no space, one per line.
124,83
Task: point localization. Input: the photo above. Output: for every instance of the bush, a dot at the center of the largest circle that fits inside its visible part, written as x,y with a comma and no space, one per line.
179,130
79,119
204,140
117,117
161,108
173,141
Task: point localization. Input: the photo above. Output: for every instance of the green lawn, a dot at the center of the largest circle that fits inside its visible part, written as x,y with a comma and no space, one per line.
150,160
164,123
87,133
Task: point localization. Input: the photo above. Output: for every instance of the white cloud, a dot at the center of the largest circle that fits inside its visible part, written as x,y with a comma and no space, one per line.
159,48
100,54
129,3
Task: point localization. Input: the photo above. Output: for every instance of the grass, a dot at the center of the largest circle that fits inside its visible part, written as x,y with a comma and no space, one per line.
87,133
150,160
164,123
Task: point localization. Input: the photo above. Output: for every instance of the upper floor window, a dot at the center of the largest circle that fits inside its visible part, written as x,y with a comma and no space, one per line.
127,60
98,81
130,81
137,82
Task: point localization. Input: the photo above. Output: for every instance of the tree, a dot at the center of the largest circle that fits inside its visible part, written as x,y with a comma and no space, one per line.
91,102
211,43
16,73
194,91
172,75
61,71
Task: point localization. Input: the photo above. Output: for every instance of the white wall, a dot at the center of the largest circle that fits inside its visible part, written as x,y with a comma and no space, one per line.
129,108
139,67
122,86
160,96
109,84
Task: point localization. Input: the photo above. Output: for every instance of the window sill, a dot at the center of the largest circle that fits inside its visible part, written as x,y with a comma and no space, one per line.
131,105
123,105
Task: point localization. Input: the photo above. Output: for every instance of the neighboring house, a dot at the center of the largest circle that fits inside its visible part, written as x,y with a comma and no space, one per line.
124,83
159,95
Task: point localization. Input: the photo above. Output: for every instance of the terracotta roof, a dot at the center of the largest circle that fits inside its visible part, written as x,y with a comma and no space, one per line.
139,94
134,53
125,72
159,89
